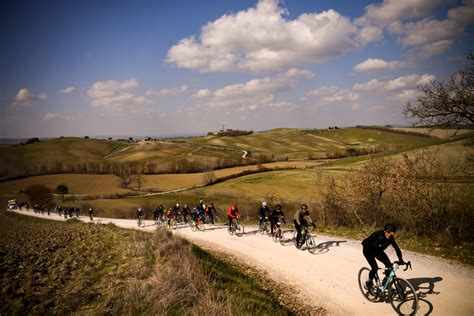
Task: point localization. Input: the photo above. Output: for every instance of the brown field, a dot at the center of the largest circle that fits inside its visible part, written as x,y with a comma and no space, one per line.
435,132
80,184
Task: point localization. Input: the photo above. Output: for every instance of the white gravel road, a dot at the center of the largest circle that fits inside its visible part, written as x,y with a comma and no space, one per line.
328,278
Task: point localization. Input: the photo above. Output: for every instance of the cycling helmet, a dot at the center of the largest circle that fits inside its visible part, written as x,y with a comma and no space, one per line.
177,204
139,209
264,203
278,207
389,227
304,206
234,206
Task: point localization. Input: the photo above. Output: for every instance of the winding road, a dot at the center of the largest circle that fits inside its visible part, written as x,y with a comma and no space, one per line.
328,278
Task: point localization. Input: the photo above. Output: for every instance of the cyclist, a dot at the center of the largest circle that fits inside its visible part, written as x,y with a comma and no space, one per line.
157,214
176,210
195,215
210,211
263,212
233,213
186,213
170,216
201,207
302,219
91,212
276,216
374,248
140,213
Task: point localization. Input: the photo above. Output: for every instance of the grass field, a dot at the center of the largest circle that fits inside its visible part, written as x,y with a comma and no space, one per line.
70,154
53,267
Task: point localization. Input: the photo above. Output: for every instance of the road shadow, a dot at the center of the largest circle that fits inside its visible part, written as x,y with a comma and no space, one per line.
424,287
215,227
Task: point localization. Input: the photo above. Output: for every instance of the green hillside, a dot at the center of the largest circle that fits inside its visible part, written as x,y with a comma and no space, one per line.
78,155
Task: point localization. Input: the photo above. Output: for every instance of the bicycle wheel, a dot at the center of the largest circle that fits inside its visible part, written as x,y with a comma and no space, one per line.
295,233
402,297
193,226
239,230
282,238
371,293
201,226
231,229
310,243
262,228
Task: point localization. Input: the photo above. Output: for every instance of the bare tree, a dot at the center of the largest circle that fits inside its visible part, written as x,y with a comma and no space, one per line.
447,103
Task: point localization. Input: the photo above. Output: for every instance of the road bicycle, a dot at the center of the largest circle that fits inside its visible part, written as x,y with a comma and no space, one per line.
236,228
278,235
263,226
172,224
399,292
198,225
141,221
306,238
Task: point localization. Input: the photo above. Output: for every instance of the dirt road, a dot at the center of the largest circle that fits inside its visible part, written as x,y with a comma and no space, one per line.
329,277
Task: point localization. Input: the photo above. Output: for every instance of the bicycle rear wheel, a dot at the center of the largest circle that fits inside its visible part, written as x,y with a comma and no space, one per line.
371,293
239,230
402,297
262,228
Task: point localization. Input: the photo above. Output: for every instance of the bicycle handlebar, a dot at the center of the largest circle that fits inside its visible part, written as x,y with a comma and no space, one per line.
406,264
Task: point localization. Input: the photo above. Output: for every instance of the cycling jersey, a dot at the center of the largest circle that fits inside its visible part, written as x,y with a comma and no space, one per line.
233,212
378,242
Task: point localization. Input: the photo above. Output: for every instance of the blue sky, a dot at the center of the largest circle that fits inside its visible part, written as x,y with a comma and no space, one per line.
153,68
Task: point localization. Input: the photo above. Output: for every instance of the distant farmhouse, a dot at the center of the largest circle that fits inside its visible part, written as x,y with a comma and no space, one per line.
230,132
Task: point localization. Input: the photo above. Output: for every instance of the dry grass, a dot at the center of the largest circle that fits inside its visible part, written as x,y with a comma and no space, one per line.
80,184
62,268
435,132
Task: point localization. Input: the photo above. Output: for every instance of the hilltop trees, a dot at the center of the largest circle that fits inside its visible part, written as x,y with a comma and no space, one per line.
447,103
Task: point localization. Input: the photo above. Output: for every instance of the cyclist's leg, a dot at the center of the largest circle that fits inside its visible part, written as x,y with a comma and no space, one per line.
370,257
382,257
298,233
230,220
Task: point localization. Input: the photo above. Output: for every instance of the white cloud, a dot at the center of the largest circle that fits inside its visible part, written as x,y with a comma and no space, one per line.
332,94
393,10
300,73
67,90
371,85
409,81
260,38
369,34
428,31
26,99
52,115
202,93
435,48
252,95
375,64
463,14
405,96
114,95
162,92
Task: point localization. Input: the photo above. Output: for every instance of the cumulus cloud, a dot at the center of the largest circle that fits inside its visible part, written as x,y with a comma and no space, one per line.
67,90
392,10
370,85
26,99
252,95
412,81
300,73
115,95
375,64
260,38
333,94
202,93
162,92
53,115
463,14
405,96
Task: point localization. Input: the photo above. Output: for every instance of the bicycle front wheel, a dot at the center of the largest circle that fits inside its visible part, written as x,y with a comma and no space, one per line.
311,243
403,298
369,292
239,230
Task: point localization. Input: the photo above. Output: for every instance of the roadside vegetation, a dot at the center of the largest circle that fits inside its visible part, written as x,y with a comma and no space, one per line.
63,268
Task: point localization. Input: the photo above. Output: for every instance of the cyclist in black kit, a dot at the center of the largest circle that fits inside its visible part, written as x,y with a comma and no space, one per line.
374,248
